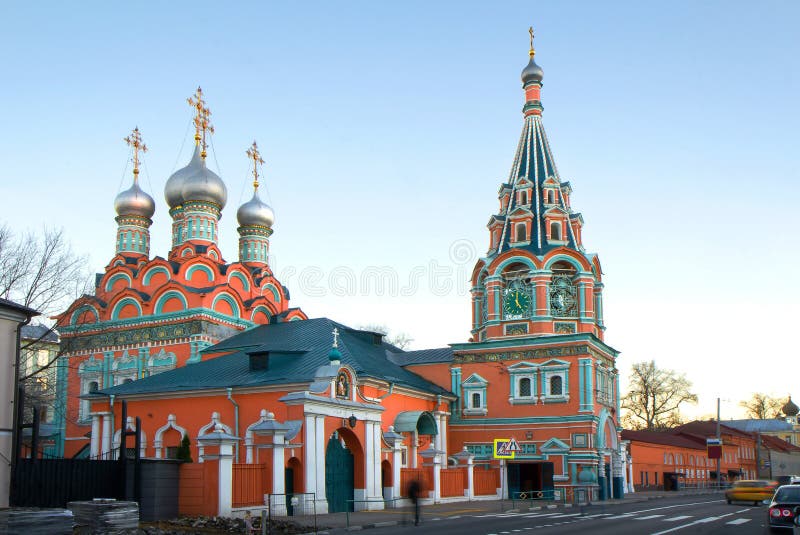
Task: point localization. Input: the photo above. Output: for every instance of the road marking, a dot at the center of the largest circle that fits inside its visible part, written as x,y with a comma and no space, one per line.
690,524
677,518
739,521
650,517
615,517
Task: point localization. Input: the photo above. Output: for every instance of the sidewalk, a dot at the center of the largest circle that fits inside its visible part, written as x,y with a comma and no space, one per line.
342,522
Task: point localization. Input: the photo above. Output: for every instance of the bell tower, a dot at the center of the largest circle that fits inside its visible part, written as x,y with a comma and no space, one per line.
536,278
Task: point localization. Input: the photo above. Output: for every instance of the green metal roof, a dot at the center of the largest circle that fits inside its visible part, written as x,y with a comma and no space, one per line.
296,350
422,421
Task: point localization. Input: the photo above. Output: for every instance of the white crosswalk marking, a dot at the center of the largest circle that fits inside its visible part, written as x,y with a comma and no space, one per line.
677,518
739,521
650,517
615,517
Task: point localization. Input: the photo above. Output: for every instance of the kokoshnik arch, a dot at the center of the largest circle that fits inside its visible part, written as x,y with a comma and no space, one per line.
337,411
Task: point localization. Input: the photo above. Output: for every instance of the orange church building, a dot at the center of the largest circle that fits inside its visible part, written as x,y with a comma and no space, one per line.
199,348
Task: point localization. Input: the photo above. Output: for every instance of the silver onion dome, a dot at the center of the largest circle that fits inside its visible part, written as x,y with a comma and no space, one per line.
202,184
173,190
532,73
134,201
255,213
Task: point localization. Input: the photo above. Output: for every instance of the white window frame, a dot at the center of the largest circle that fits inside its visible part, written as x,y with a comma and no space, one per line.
552,369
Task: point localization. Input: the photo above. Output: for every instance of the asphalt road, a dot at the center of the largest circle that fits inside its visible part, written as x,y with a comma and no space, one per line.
688,515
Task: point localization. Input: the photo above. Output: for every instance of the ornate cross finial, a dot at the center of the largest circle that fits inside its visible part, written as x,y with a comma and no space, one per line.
201,119
254,155
531,52
335,337
135,140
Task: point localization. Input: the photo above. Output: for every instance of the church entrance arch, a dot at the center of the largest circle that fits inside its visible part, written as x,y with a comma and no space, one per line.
343,457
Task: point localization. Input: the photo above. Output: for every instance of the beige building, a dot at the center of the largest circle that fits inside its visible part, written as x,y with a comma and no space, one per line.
12,317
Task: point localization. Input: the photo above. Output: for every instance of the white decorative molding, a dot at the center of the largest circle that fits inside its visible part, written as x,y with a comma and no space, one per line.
209,427
157,441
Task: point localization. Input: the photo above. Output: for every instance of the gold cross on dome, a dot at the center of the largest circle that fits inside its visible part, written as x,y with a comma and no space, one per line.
254,155
531,52
202,121
135,140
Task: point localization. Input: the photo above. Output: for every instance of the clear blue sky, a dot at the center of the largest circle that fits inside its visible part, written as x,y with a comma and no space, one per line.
387,128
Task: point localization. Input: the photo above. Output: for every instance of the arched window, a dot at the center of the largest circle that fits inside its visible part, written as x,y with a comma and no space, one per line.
94,386
556,385
525,387
555,230
523,197
550,197
476,400
521,232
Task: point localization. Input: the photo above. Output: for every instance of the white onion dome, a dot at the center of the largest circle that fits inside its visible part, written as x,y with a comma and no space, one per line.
202,184
532,73
173,190
255,213
134,201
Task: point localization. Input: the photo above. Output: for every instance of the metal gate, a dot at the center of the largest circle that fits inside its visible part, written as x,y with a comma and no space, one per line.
54,482
39,482
338,476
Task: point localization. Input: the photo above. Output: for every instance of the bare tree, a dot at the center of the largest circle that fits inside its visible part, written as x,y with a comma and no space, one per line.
654,397
762,407
41,271
400,339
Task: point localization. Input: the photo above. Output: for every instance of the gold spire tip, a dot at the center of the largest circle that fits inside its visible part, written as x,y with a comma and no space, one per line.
531,52
255,155
134,140
202,121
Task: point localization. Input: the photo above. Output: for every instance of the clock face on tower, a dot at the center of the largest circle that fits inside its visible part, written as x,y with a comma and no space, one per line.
562,298
516,304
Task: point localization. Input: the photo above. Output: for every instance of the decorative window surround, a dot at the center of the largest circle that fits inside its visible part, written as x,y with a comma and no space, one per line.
130,426
552,369
518,372
158,441
474,384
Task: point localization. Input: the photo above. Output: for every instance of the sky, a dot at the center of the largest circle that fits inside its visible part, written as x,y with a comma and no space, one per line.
387,128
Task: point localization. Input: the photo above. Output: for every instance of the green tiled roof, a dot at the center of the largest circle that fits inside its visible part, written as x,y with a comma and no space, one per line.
296,350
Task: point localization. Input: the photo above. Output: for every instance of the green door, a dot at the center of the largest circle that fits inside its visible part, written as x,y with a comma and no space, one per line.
338,476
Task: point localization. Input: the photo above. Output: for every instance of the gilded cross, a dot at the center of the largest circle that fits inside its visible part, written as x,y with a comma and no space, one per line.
135,140
335,337
254,155
532,52
201,119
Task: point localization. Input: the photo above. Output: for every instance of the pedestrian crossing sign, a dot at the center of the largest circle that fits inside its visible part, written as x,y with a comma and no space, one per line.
505,448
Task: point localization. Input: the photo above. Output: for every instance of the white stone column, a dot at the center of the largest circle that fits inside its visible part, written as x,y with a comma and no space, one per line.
369,468
94,443
397,462
105,448
374,487
225,442
470,479
414,447
437,479
442,424
278,473
278,462
630,475
310,453
225,479
322,442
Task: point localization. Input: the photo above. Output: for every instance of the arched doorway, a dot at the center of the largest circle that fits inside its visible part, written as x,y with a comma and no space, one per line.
339,474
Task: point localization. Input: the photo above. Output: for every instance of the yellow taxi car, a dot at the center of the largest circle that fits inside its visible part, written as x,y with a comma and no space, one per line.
751,490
